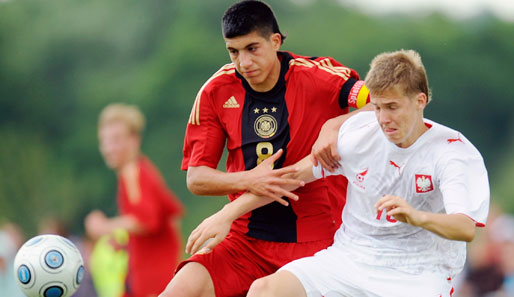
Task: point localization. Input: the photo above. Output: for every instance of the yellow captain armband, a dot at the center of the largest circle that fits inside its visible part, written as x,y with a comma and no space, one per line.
359,95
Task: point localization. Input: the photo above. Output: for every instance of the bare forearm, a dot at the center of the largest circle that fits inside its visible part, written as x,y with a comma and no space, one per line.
261,180
303,172
125,222
248,201
324,150
449,226
204,181
217,226
244,204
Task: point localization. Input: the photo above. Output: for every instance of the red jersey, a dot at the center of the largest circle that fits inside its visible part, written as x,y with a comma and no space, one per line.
153,256
256,124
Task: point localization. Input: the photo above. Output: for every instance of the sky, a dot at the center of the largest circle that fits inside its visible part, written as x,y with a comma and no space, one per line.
457,9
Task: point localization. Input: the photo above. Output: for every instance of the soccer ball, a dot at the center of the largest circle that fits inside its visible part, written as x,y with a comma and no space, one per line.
48,266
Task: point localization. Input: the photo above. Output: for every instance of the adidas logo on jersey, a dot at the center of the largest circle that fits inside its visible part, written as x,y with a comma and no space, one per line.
231,103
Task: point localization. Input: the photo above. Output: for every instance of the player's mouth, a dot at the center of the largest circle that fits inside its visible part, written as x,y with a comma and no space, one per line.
251,73
389,131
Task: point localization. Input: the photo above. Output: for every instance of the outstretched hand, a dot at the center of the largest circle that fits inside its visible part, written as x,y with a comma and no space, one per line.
324,149
95,223
399,209
208,234
264,181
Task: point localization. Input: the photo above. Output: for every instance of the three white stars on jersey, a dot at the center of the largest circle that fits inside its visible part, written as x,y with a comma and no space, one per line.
264,110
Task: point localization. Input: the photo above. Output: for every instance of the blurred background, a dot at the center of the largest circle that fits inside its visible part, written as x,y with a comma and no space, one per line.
62,61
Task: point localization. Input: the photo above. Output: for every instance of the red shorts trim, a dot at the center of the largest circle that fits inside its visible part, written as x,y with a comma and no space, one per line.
239,260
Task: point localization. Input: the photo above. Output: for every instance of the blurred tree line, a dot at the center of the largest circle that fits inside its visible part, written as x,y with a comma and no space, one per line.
62,61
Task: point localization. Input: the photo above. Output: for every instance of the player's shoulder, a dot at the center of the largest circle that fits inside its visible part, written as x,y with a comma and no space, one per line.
360,123
361,120
293,58
225,75
220,86
147,168
449,142
300,63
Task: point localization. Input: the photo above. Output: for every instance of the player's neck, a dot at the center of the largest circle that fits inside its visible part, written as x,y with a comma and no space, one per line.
416,133
130,163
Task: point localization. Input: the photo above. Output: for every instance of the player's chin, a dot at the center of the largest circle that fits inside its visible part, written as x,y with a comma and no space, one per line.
392,139
395,138
254,79
112,164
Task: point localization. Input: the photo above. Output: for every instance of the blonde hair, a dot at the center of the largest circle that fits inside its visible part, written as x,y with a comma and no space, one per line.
130,115
401,69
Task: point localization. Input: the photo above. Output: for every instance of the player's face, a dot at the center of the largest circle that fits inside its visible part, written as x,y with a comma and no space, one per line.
400,116
117,144
255,58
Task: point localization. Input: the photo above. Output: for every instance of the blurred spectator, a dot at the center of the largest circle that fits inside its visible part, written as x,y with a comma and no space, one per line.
149,211
52,224
490,266
502,233
11,239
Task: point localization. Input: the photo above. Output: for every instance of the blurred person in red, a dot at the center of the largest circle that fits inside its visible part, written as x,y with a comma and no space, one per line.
149,211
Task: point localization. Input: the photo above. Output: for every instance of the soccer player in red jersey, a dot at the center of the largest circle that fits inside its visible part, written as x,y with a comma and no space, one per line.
264,102
149,211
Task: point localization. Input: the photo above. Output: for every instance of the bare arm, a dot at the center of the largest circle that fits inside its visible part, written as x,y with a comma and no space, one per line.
97,224
449,226
217,226
324,149
261,180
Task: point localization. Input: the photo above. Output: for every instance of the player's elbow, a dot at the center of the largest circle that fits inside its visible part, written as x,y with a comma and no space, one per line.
197,180
194,186
198,187
469,235
466,234
469,230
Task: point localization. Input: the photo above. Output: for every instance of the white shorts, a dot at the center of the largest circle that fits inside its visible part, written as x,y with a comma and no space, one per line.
332,273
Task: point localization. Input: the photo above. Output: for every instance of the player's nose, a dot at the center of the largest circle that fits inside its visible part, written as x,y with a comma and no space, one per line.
383,117
245,60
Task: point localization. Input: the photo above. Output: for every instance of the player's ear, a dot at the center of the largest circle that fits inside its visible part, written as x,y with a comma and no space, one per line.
276,41
421,100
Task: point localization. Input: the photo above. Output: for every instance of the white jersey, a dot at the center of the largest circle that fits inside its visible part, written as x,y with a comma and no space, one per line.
442,172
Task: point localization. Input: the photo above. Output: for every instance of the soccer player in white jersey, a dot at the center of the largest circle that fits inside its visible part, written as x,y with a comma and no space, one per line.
416,192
